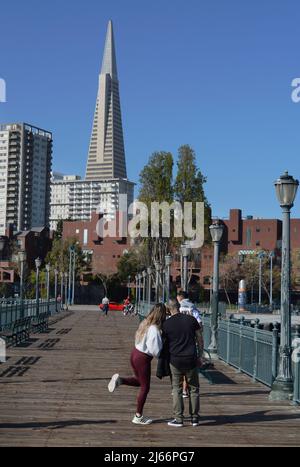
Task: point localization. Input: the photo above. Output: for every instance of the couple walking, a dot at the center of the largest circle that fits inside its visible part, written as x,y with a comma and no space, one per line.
182,337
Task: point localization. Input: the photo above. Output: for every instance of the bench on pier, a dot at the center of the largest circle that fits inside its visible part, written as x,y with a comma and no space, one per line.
18,332
40,323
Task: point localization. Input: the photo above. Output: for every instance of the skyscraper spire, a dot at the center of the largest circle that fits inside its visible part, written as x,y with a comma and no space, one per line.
109,63
106,157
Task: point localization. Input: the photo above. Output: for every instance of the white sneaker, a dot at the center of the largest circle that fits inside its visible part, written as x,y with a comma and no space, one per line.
141,420
185,395
114,382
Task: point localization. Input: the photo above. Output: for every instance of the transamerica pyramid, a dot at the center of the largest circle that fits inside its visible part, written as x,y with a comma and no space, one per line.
106,158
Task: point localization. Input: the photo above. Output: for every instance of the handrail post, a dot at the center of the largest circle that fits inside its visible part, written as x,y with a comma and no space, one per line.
242,323
275,346
256,325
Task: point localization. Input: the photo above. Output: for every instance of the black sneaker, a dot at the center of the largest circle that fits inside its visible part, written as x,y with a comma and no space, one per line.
175,423
195,421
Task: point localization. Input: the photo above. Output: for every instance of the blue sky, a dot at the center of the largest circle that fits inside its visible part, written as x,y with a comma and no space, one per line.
214,74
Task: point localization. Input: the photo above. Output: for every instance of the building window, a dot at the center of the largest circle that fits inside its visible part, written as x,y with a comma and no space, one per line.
85,236
248,236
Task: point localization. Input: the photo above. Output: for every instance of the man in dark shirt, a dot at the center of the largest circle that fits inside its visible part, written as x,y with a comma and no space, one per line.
182,332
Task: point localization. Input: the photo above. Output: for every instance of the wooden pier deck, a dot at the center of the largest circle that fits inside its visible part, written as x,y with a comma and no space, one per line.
53,392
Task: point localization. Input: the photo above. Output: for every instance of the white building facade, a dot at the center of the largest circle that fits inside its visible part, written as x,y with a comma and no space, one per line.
76,199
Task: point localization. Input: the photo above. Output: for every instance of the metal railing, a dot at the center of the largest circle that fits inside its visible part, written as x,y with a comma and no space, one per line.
296,396
11,310
249,349
144,309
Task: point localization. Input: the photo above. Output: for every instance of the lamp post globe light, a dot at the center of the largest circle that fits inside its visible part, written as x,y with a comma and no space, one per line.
282,389
168,262
216,231
38,263
185,253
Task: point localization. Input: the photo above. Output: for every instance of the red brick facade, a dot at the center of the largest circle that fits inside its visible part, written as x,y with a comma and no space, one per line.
105,252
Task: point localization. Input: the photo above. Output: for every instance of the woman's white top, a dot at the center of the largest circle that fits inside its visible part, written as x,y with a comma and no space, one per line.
151,343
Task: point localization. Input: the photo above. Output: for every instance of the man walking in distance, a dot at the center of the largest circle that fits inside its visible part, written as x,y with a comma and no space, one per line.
183,334
105,303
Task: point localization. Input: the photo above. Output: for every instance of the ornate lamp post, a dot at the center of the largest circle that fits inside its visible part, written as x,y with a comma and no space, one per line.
216,231
38,263
71,253
260,255
185,252
149,272
282,389
22,258
271,256
55,286
48,267
137,292
144,275
62,290
157,273
128,286
74,276
66,290
168,262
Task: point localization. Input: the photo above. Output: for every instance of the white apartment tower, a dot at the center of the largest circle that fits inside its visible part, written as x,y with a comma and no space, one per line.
25,166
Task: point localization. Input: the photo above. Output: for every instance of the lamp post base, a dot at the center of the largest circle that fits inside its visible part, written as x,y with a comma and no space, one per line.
281,391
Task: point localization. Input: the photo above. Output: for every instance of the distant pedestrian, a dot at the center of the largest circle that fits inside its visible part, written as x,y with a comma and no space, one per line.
184,340
148,344
105,305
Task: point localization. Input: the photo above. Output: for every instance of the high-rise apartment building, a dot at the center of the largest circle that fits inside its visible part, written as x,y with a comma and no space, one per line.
25,166
76,199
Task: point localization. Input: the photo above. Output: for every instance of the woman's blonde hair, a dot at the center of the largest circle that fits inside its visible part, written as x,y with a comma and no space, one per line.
156,316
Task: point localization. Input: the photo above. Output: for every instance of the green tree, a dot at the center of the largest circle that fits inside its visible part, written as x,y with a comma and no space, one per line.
131,262
59,255
189,183
156,185
59,229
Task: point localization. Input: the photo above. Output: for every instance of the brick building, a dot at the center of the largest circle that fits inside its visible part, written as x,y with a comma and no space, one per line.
105,251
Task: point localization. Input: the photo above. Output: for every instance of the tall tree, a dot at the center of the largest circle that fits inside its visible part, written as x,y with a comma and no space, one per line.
189,183
156,185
